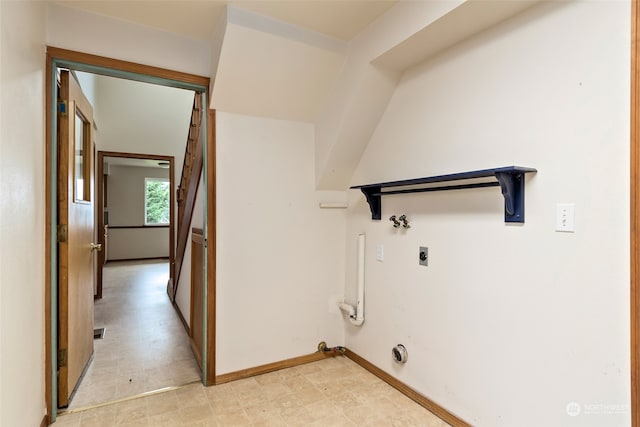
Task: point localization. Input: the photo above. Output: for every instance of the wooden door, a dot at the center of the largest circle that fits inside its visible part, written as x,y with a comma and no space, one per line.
75,235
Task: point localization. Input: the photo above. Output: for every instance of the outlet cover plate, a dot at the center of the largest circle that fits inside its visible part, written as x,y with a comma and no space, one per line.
565,217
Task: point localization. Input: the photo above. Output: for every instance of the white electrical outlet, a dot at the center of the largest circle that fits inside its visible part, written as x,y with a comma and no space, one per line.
380,252
565,217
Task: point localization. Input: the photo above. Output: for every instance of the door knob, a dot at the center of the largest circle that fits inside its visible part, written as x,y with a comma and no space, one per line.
96,247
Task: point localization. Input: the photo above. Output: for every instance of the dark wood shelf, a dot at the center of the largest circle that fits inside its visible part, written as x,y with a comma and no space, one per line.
510,179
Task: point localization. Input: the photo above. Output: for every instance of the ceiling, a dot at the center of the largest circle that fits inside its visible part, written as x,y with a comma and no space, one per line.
342,19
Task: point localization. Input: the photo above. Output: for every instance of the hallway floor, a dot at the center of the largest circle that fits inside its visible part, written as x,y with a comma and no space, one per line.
331,392
145,346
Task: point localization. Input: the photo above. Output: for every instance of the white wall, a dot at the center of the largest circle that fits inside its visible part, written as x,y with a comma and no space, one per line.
509,323
88,85
280,258
126,193
126,199
87,32
138,243
22,210
294,77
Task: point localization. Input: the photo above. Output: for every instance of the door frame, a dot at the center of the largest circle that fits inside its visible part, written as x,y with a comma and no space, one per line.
57,57
100,204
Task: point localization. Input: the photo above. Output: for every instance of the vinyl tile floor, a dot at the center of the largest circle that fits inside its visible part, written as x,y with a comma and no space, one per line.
331,392
145,346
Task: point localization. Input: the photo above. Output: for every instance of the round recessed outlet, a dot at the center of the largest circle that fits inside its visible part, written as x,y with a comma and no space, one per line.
399,354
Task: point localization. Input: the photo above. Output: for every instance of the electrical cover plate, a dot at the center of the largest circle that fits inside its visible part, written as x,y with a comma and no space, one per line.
565,217
423,256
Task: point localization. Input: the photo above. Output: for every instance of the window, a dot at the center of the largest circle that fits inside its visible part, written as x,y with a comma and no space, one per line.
156,201
82,149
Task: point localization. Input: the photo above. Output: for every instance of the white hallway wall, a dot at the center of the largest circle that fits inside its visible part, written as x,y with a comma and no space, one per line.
508,324
22,211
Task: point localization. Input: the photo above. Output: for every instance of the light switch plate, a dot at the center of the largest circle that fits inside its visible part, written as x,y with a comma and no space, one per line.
565,217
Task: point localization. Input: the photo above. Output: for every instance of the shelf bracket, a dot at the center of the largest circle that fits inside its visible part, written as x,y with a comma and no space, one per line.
374,199
512,186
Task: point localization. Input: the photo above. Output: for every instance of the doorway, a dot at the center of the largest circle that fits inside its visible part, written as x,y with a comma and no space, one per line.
122,214
60,58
